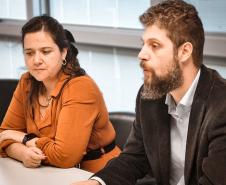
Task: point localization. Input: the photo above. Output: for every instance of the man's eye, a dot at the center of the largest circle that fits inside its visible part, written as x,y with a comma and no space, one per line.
155,45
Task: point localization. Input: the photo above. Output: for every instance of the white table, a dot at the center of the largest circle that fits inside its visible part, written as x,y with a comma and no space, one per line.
14,173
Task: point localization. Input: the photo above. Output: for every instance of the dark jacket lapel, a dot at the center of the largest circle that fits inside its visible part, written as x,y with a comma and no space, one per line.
196,118
159,121
164,143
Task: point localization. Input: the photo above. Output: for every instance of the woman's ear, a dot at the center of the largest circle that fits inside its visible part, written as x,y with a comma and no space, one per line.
64,53
185,51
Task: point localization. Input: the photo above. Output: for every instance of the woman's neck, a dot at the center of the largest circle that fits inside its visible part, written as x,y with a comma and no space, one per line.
50,85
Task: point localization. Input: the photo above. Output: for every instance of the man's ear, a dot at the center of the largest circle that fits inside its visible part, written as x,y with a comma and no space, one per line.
185,51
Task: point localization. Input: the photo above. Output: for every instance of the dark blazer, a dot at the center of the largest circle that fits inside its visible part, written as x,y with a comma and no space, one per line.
148,147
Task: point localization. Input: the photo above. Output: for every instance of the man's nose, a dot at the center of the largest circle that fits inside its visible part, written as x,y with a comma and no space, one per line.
143,54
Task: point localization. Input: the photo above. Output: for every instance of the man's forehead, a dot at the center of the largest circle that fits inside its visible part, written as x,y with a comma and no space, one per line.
155,32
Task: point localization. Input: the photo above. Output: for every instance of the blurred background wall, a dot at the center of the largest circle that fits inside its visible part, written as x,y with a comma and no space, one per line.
108,34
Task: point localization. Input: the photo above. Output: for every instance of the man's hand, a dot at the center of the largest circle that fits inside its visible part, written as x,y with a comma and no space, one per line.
87,182
32,157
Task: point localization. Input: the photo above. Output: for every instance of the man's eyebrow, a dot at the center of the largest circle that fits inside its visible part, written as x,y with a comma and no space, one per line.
150,40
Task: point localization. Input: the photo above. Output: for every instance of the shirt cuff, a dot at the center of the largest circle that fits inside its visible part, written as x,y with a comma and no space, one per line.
98,179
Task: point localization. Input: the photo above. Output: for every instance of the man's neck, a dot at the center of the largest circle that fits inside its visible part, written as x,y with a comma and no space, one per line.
189,75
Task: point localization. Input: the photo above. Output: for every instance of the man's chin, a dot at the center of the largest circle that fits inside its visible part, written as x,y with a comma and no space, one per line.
147,79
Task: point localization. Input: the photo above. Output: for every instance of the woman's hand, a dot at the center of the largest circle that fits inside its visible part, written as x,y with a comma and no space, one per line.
32,157
12,134
31,143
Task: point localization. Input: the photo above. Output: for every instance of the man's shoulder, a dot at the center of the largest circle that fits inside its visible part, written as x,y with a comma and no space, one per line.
218,80
216,88
211,77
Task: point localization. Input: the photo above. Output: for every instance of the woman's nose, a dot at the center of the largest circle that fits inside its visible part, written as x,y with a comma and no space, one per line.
37,58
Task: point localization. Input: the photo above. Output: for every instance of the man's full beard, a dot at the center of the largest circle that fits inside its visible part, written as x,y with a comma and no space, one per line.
158,86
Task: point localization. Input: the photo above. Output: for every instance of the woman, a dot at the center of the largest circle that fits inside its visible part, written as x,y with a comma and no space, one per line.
57,115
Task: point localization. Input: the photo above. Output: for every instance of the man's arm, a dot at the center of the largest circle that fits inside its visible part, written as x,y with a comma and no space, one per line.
214,165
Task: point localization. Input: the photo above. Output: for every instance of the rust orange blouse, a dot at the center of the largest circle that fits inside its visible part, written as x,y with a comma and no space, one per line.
76,120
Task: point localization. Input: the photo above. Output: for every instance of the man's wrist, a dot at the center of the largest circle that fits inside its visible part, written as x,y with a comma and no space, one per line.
95,181
98,180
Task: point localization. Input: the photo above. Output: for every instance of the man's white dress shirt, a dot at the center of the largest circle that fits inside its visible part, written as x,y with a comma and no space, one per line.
180,115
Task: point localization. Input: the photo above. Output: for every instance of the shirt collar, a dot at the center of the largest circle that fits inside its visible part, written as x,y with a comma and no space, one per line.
63,78
189,95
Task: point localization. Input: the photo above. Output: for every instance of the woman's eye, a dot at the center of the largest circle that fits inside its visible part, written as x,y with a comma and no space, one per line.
28,53
46,52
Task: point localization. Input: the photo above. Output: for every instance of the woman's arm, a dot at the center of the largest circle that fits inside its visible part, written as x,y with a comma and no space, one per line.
12,134
14,119
30,156
17,136
13,130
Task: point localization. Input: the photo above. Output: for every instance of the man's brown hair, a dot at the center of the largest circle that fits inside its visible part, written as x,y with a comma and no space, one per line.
182,23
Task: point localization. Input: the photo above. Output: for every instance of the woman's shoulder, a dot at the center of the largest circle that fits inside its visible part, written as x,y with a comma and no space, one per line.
83,81
82,85
23,85
24,79
25,76
83,78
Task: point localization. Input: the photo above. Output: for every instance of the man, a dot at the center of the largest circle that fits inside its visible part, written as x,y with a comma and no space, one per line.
179,135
